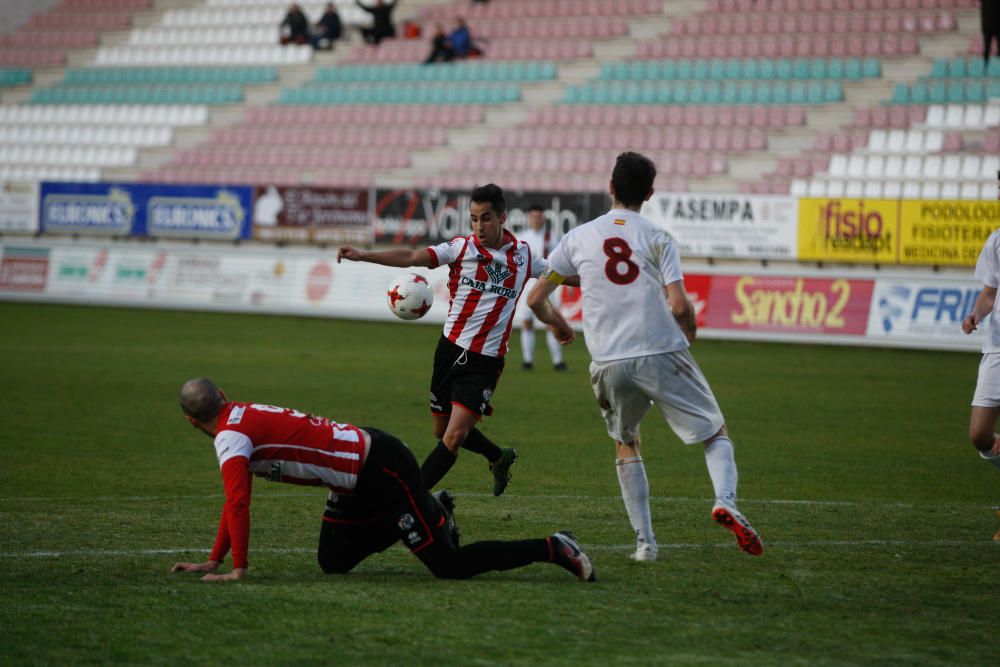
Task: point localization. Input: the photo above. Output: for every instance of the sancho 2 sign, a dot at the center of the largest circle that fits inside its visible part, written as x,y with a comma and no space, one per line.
128,209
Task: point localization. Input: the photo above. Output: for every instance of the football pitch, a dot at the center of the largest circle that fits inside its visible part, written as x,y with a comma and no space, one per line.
876,514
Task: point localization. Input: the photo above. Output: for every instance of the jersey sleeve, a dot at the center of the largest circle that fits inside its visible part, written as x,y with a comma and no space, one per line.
559,259
234,526
230,443
987,264
446,253
668,258
539,265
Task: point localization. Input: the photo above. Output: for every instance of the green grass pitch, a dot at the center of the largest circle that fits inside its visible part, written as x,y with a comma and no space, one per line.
876,514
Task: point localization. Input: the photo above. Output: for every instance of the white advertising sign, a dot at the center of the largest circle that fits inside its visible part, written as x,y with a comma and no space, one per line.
728,225
18,207
927,311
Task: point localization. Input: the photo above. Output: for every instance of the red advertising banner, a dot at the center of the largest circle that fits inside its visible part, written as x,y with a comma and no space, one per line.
24,269
786,304
698,288
312,215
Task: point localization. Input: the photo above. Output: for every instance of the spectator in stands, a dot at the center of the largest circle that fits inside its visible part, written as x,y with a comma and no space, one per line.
295,27
328,29
990,14
382,26
441,50
461,40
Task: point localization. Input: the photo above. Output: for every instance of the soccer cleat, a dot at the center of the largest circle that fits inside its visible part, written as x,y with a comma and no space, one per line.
501,469
727,516
446,503
527,365
644,553
566,552
561,366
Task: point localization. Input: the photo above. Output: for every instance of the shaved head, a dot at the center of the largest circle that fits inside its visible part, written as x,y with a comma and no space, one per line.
200,399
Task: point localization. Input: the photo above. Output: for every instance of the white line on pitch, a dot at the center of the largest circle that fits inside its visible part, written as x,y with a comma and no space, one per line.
807,544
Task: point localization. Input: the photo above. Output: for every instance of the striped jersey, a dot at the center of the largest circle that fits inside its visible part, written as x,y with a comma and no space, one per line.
484,285
289,446
281,445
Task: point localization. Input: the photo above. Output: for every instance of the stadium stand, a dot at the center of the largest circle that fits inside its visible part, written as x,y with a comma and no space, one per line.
776,96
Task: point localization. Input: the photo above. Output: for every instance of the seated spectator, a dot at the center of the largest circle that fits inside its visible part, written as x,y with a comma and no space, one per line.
461,40
328,29
441,50
295,27
382,26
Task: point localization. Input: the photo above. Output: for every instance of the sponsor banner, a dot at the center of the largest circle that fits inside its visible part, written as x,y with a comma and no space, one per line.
312,215
849,230
429,217
18,207
787,304
721,225
162,211
24,269
945,232
930,310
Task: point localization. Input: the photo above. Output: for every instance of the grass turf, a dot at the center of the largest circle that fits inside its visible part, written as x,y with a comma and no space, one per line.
875,512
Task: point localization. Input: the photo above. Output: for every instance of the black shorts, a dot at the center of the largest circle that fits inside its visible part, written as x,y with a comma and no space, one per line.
389,504
463,378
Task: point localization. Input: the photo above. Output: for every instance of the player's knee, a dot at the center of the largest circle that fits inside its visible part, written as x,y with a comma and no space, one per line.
331,564
454,438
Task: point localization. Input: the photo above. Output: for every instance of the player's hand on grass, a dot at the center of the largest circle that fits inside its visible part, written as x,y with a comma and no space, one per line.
236,575
207,566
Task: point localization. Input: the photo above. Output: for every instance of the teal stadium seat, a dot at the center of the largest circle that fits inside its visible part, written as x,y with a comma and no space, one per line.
759,69
941,68
835,69
819,69
901,94
975,92
783,69
853,69
801,69
871,68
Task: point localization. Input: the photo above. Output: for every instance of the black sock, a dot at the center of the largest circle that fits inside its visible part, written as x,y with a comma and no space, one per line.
480,444
436,465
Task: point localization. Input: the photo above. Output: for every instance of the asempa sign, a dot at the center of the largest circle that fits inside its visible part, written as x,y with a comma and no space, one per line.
162,211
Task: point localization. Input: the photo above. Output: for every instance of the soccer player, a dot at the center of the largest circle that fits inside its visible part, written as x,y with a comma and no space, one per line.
377,496
488,271
986,401
538,241
638,324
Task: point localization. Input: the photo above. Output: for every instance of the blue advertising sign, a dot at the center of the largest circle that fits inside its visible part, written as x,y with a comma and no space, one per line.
134,209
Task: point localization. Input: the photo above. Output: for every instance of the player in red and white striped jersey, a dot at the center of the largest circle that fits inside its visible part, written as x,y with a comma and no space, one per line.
489,270
377,496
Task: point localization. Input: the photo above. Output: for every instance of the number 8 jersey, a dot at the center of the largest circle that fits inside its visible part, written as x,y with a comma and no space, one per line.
623,261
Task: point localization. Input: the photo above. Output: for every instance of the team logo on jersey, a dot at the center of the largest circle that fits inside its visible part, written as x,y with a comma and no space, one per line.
487,395
406,522
497,273
519,259
413,538
236,415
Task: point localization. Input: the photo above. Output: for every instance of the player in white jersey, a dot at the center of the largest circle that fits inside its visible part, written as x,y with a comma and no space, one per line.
377,497
638,324
986,401
489,269
537,239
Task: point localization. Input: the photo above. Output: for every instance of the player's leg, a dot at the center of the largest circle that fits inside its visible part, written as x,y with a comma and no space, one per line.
347,536
555,349
681,391
623,406
986,410
528,342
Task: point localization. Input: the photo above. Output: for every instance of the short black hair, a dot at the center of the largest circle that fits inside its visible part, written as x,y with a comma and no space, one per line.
633,178
491,194
536,207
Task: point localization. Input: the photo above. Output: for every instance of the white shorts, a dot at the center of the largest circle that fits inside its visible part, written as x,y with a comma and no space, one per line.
672,381
988,385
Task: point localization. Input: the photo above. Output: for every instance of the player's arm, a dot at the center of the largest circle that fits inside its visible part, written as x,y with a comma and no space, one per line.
541,306
234,526
400,257
983,307
682,309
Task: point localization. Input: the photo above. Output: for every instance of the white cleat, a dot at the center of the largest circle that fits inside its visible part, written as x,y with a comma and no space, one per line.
644,553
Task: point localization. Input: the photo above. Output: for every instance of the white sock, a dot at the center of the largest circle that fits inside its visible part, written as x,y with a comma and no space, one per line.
722,469
528,345
555,349
991,458
635,493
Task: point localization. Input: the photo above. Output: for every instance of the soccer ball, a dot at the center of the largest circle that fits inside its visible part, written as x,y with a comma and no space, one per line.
410,296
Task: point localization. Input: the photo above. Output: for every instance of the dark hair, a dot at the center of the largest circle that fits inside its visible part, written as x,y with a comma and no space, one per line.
490,194
201,399
633,178
536,207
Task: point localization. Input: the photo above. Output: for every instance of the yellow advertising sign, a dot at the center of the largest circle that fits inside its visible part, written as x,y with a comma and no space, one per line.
849,230
945,232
